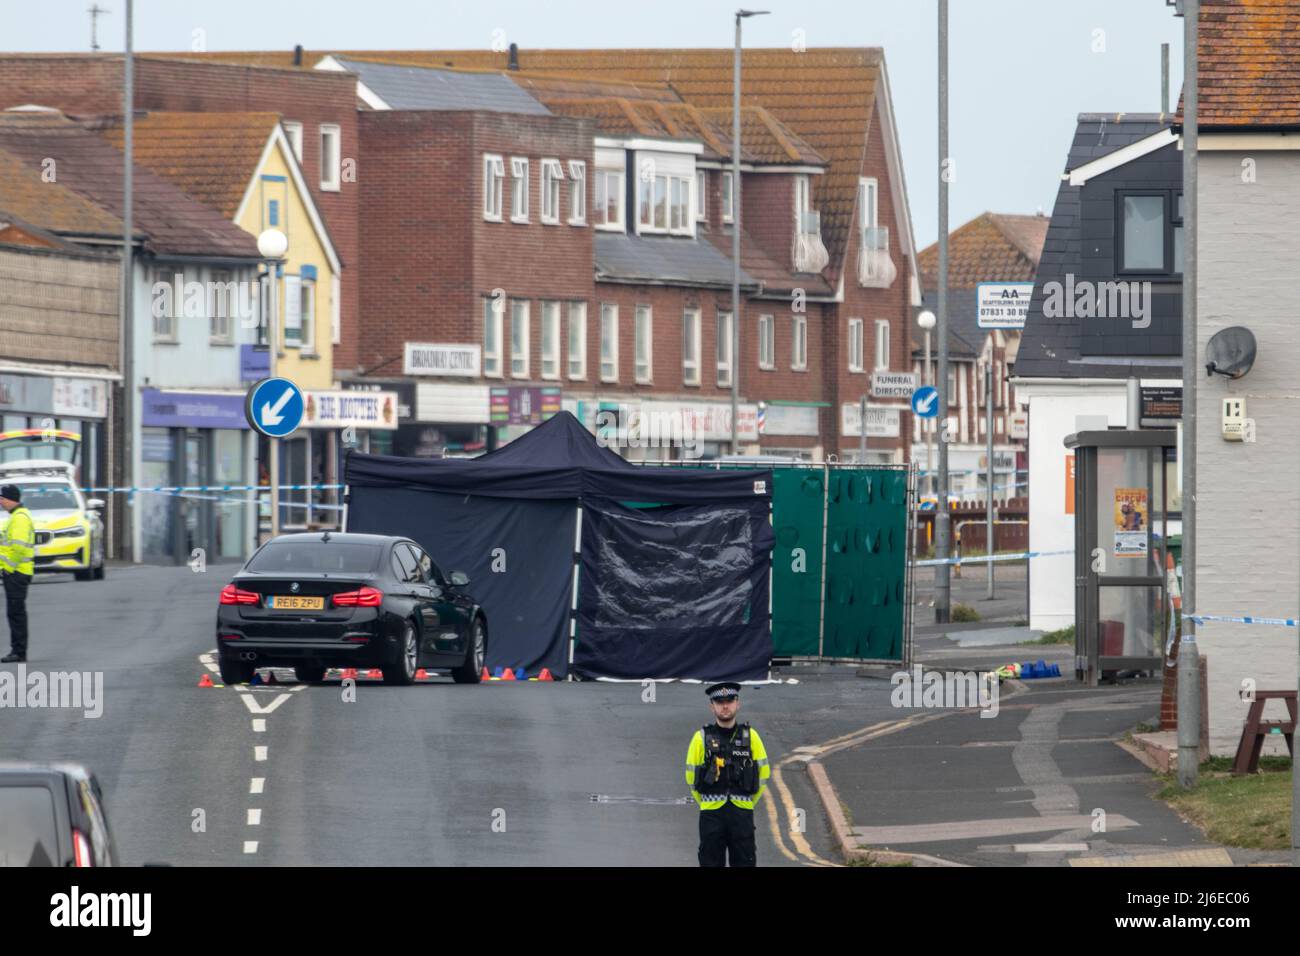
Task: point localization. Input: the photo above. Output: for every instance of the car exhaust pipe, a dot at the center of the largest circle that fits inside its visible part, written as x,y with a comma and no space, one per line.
248,655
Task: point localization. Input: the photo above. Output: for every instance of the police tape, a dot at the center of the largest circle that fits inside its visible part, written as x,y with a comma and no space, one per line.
989,558
1224,619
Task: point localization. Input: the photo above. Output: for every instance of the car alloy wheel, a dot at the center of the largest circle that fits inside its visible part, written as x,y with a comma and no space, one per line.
409,651
479,650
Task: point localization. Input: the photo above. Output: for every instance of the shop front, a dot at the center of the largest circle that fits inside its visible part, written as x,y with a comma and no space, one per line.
883,422
450,419
198,441
791,429
665,430
76,404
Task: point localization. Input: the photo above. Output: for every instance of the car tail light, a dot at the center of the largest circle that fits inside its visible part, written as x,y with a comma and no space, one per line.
366,597
80,850
233,595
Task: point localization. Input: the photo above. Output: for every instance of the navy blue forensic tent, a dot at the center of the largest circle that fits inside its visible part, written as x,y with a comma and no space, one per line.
674,561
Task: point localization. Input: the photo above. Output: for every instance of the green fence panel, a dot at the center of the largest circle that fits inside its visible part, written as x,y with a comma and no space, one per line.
797,512
866,563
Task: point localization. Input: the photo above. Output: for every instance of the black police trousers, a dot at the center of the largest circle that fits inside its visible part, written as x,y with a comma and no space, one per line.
727,832
16,607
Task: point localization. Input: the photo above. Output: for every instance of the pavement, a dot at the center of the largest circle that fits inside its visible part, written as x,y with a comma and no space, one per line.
569,773
1044,778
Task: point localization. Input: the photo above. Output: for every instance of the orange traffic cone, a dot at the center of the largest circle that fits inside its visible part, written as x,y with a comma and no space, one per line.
206,681
374,673
508,674
545,674
270,678
421,674
485,675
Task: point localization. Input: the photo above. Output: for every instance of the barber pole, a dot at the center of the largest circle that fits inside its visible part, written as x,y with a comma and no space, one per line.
762,417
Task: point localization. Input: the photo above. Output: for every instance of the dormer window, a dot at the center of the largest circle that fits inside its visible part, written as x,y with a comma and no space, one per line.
664,203
607,212
727,215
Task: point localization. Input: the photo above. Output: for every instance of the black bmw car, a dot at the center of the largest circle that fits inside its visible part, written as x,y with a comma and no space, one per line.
313,601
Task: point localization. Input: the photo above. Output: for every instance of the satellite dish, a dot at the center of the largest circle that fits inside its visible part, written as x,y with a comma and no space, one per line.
1230,352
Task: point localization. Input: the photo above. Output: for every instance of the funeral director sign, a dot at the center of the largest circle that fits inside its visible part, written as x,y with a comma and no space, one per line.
1003,305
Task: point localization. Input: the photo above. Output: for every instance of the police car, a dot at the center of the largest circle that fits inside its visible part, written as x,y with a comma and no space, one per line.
69,528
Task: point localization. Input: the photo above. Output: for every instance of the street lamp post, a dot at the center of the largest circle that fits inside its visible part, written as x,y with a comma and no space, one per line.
926,321
272,245
735,229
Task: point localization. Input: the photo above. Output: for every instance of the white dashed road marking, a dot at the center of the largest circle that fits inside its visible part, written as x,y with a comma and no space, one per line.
250,846
259,725
256,784
259,753
254,817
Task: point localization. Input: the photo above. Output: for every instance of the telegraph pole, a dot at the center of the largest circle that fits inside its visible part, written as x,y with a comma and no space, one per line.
942,592
1189,681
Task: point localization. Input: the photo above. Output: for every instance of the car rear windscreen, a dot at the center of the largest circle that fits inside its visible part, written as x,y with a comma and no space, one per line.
49,497
332,557
27,827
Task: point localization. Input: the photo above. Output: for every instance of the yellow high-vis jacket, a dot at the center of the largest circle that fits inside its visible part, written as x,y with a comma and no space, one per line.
695,763
18,549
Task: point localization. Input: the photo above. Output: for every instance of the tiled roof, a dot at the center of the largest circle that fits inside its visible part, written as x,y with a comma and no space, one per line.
764,140
426,88
212,157
990,248
1049,346
671,260
88,165
547,86
53,206
827,95
1249,63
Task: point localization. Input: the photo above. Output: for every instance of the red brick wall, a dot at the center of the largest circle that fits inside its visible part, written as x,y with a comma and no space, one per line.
767,213
871,304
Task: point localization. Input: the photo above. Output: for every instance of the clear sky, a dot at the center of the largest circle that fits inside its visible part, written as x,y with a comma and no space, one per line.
1021,70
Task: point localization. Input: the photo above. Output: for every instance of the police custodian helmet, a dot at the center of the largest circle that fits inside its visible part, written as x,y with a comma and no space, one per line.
727,690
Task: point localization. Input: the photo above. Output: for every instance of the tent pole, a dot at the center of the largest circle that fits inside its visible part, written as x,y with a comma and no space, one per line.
573,603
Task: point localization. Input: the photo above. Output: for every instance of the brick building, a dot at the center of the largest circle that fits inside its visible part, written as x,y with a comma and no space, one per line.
609,290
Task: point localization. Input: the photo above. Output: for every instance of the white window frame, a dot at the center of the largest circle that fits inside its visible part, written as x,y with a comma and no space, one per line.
701,196
647,190
578,359
643,366
293,133
494,319
217,303
691,333
551,321
519,356
604,176
577,192
725,367
609,310
882,345
552,176
292,309
868,204
519,189
330,166
494,177
308,309
802,200
799,343
728,197
164,326
767,342
855,345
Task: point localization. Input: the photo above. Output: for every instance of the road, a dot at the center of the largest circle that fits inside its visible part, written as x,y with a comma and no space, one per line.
435,774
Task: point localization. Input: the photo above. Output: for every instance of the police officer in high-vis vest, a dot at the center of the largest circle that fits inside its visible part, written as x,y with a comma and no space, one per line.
727,771
17,557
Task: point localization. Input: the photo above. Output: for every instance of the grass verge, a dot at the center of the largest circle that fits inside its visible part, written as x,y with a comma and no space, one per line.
1252,811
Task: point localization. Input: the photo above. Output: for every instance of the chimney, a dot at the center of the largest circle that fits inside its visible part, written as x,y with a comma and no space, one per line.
514,57
297,55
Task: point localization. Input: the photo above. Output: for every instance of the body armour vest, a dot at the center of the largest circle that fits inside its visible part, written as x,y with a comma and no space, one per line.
729,766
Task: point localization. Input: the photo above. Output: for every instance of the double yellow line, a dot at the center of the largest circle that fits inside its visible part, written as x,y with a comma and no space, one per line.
803,851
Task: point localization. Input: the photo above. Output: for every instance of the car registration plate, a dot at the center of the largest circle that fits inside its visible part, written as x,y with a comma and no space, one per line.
294,602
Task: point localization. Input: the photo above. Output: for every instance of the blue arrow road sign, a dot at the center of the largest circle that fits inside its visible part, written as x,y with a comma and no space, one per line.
925,402
274,407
